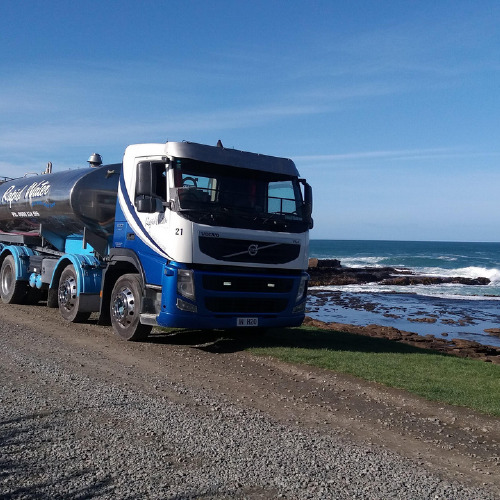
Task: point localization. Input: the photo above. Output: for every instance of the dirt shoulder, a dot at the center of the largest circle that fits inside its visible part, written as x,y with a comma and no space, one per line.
456,443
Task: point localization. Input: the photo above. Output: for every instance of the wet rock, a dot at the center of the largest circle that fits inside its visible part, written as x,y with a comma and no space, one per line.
493,331
448,321
390,315
422,320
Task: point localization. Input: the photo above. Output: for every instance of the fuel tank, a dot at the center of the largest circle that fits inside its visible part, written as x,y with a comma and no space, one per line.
62,202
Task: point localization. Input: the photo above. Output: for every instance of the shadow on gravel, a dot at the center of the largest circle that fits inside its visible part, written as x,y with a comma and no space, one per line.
24,475
218,341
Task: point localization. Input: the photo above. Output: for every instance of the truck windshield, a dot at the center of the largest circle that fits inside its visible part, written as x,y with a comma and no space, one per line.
237,197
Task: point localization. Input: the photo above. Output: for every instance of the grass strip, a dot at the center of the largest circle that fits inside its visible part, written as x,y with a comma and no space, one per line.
439,377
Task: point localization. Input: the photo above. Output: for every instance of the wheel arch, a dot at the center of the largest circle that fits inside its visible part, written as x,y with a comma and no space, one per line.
21,255
88,272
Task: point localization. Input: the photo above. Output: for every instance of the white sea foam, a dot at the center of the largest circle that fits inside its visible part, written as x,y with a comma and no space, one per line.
448,258
362,261
492,274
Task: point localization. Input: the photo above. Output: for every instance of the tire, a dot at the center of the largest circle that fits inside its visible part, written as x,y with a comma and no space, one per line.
52,299
12,291
125,308
67,297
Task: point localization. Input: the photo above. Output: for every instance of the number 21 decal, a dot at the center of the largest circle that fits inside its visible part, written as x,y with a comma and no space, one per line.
178,231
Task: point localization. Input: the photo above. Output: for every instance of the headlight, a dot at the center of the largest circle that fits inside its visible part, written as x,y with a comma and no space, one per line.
185,283
302,288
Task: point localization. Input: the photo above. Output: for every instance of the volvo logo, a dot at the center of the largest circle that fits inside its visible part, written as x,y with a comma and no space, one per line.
253,249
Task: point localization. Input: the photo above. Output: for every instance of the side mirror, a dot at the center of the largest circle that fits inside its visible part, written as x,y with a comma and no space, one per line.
308,202
145,182
148,187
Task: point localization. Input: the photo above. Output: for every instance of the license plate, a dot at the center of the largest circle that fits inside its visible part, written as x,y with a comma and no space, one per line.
247,321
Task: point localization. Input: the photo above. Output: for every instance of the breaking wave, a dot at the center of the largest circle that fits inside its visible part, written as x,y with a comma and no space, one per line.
492,274
363,261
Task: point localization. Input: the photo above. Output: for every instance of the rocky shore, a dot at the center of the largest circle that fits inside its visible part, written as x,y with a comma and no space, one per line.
324,272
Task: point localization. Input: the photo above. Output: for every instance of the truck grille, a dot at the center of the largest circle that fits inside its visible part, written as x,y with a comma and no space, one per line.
263,252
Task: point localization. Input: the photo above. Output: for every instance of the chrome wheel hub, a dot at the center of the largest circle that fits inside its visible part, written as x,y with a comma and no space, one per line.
67,293
124,306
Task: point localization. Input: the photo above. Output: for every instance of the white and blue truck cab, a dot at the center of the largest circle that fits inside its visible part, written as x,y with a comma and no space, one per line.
178,235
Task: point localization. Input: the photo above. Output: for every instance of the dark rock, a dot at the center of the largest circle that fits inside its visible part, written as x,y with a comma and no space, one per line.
324,263
328,263
324,272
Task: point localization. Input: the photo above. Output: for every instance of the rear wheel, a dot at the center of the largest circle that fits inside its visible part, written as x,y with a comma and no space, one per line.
12,291
68,299
125,308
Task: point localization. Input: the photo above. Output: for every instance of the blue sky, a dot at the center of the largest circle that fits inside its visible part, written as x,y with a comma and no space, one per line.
391,109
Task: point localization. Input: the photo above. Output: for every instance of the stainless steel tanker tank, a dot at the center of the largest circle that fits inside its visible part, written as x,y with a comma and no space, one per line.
63,202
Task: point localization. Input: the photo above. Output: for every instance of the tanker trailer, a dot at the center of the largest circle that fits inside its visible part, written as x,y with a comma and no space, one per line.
179,235
45,217
57,205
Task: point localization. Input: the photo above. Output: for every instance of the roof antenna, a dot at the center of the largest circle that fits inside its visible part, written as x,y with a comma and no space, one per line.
219,144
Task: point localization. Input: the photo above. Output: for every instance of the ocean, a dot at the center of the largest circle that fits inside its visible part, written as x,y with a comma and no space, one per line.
448,310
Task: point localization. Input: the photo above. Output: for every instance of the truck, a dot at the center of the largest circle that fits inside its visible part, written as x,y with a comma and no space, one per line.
179,235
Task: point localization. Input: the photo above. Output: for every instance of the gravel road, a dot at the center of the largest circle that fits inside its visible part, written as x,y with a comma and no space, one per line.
85,415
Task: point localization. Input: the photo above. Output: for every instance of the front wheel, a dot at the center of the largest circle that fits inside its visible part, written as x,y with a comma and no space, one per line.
125,308
11,290
68,299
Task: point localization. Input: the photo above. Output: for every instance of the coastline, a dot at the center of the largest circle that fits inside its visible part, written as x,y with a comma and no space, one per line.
457,347
359,300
